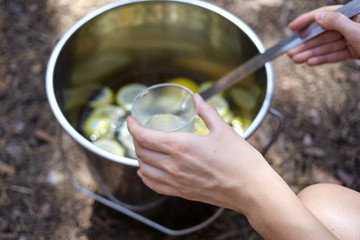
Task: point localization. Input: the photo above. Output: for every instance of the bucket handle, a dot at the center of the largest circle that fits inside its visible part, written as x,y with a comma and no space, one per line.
277,132
119,207
111,197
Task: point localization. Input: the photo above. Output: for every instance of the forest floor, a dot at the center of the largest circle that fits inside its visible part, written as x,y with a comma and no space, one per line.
320,141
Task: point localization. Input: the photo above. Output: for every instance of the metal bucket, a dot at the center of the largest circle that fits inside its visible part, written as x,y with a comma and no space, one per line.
144,41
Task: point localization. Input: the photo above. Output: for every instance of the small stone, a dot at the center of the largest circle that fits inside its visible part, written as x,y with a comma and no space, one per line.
54,178
45,211
36,68
15,151
314,116
18,127
307,140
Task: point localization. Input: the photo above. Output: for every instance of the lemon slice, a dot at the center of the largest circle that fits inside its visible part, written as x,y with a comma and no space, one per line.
240,125
243,98
205,85
104,97
220,104
228,117
96,126
237,125
125,138
112,112
126,95
246,123
200,127
186,82
110,145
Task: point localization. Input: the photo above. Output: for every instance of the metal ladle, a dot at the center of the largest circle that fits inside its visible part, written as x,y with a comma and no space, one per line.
349,10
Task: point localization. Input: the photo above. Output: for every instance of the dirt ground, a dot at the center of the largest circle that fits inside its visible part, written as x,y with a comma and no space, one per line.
320,141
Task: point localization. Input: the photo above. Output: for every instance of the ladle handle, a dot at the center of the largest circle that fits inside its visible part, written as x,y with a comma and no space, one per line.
349,10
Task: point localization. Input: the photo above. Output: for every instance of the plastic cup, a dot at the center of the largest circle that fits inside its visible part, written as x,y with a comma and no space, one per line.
165,107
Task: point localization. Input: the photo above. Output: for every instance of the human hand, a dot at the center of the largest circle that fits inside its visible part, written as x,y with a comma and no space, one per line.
211,168
222,169
341,42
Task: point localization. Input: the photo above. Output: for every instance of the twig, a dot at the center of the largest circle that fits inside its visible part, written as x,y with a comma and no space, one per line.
21,189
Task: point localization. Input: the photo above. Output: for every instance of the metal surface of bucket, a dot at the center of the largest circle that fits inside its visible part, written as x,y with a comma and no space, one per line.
139,41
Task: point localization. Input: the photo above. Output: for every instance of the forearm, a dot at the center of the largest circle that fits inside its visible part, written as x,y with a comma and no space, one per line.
221,168
275,212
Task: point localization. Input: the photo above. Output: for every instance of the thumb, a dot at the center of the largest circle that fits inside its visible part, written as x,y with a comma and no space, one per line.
133,125
208,113
339,22
347,27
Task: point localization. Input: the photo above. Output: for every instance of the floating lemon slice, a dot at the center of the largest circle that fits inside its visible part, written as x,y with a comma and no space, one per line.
125,138
186,82
126,95
228,117
220,104
246,123
112,112
243,98
240,125
96,126
200,127
104,97
110,145
205,85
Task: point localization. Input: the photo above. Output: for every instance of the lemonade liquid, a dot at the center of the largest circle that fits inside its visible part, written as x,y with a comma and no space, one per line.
168,122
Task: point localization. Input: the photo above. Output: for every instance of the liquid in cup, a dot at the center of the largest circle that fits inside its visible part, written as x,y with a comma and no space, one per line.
165,107
163,122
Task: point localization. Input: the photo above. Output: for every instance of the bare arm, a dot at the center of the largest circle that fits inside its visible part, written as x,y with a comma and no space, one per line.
341,42
221,168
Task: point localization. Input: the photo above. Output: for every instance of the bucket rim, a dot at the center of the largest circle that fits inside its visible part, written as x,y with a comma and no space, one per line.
50,91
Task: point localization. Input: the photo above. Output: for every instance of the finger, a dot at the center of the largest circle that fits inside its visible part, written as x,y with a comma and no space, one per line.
153,173
324,38
156,159
338,22
329,58
356,18
321,50
146,138
208,113
157,141
305,19
159,187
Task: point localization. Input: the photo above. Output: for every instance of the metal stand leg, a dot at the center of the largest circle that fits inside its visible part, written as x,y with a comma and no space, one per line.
280,128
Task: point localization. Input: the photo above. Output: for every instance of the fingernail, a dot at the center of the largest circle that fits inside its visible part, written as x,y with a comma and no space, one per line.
319,15
291,52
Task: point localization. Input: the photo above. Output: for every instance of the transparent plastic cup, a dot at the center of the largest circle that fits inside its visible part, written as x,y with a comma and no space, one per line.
165,107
